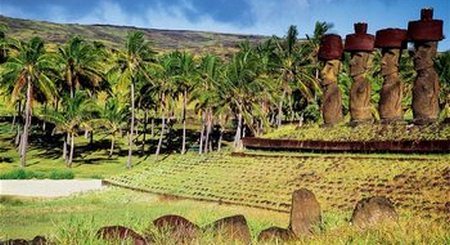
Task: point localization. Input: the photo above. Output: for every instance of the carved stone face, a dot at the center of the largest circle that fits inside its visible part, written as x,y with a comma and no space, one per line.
424,54
389,61
330,71
359,63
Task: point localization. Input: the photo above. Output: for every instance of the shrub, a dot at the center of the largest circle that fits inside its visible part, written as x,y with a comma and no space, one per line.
61,174
29,174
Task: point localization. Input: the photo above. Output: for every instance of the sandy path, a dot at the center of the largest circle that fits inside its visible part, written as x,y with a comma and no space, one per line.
47,188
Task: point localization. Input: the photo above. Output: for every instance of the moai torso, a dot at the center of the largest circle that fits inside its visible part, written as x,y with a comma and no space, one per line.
332,102
360,92
390,105
426,86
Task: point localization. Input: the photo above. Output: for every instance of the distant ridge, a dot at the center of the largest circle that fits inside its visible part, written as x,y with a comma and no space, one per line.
113,36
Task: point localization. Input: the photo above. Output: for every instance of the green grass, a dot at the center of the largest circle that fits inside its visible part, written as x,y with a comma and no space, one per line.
377,132
44,157
75,219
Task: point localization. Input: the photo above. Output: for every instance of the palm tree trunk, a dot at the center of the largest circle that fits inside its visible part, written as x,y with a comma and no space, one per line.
145,129
202,134
280,109
15,115
208,129
65,141
219,142
91,137
183,147
130,139
18,137
72,147
152,130
163,125
238,135
24,141
111,150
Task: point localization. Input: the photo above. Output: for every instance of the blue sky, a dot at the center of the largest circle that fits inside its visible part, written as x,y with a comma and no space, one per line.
265,17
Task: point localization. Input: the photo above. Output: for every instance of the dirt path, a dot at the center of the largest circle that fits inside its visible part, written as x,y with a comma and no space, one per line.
47,188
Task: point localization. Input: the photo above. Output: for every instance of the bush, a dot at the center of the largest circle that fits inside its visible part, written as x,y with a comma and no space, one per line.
61,174
29,174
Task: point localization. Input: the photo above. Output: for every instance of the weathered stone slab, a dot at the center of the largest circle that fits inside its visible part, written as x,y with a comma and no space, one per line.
305,213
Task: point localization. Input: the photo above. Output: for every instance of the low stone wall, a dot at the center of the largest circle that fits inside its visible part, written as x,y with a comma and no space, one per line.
407,146
47,188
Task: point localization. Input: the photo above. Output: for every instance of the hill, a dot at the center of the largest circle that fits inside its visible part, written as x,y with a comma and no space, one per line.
114,36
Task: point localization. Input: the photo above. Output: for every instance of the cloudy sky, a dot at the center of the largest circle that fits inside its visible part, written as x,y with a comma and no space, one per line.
268,17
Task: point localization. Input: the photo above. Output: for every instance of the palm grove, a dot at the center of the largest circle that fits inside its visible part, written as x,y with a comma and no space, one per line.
84,87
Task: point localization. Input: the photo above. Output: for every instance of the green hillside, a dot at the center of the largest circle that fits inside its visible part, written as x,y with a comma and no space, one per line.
114,36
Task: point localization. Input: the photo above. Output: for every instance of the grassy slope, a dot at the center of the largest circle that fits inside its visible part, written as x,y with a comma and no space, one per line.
114,36
417,186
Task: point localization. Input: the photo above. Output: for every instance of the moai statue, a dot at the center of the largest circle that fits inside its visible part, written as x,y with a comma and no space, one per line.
425,33
391,42
360,45
330,52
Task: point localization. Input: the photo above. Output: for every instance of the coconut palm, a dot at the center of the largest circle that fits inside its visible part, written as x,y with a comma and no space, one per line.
185,73
80,63
242,88
442,65
164,85
294,71
112,118
131,65
29,71
77,111
207,96
3,44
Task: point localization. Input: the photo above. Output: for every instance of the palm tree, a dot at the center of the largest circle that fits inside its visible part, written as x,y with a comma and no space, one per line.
241,88
3,44
164,85
295,67
29,71
76,114
207,96
185,74
131,64
112,117
80,63
442,65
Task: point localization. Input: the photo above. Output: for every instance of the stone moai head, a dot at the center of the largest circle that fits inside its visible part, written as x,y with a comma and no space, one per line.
425,33
330,52
361,45
391,42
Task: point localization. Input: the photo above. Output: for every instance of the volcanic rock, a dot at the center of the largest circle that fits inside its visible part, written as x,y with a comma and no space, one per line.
178,228
122,233
275,234
372,211
233,228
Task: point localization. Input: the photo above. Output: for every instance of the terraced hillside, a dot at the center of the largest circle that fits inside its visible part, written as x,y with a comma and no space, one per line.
418,185
114,36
